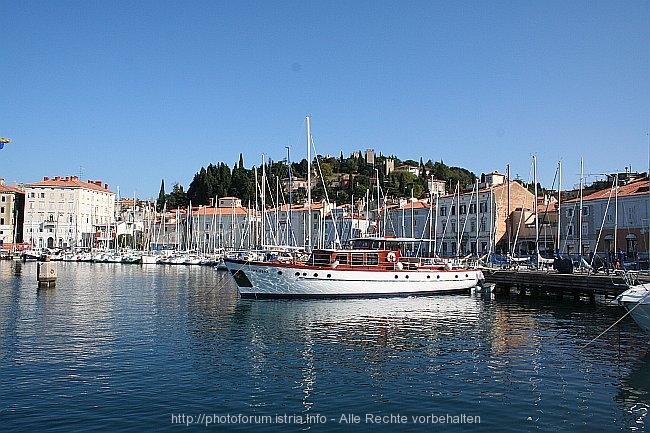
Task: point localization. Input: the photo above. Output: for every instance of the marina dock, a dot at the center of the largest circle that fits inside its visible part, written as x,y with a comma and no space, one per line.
552,282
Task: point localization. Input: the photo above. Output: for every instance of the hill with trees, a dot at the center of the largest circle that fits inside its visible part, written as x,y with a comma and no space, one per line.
338,178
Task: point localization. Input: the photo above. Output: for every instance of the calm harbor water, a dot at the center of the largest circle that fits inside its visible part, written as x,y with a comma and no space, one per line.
131,348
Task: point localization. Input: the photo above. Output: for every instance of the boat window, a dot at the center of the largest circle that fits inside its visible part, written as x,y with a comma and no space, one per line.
376,245
342,258
357,259
372,259
362,244
320,259
393,246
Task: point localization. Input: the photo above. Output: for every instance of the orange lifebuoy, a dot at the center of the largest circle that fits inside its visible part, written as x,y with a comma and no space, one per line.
391,257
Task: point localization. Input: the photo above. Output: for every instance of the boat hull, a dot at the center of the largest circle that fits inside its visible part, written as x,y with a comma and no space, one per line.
636,301
260,280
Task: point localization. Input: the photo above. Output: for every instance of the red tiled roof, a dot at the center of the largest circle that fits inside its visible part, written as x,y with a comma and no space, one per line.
637,187
299,207
10,189
224,211
70,182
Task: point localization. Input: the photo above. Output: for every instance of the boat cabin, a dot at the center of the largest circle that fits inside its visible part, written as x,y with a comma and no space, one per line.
362,252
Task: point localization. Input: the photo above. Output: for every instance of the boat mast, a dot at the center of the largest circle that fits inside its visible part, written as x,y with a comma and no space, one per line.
378,203
367,210
309,229
256,227
616,217
403,234
458,220
536,210
580,214
435,227
412,216
430,214
263,193
559,204
290,222
509,215
477,222
276,236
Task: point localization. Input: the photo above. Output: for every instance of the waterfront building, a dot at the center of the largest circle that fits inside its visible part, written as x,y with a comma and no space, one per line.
65,212
209,229
478,224
134,221
613,222
168,228
535,232
409,219
465,222
12,207
289,224
343,224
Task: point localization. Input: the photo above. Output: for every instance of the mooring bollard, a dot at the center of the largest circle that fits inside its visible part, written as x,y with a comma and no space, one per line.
46,274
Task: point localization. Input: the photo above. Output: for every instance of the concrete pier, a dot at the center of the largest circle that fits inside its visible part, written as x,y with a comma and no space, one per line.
46,274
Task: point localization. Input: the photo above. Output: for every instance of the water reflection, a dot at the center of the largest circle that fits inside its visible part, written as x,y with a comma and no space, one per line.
634,394
110,340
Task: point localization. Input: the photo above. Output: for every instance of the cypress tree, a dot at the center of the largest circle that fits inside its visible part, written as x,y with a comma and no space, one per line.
160,203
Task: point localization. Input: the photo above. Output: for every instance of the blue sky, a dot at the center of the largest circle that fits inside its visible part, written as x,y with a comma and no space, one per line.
132,92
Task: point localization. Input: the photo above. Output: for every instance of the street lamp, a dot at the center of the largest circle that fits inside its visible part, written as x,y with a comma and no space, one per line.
4,141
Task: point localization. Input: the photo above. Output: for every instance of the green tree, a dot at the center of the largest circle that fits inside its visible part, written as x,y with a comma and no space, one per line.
160,203
177,197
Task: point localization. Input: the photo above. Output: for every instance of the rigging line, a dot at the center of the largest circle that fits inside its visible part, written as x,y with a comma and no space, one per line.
444,229
471,197
602,225
546,210
617,322
563,331
521,214
337,238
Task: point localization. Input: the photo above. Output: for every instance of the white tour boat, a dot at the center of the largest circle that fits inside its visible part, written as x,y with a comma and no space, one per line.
372,267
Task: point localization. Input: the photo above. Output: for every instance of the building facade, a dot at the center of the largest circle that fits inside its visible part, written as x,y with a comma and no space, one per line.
12,206
612,222
64,212
474,221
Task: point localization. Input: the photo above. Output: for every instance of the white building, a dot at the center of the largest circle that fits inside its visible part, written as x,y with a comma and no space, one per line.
207,228
11,213
462,223
409,219
289,225
613,222
342,225
66,212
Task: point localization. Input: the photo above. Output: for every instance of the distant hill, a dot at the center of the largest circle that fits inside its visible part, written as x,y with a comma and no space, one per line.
342,178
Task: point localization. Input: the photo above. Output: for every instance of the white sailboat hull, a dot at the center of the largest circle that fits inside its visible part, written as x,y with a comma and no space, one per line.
257,280
149,259
636,300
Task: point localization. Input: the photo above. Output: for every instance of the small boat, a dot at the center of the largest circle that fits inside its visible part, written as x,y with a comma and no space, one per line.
636,300
148,259
131,258
371,267
30,255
